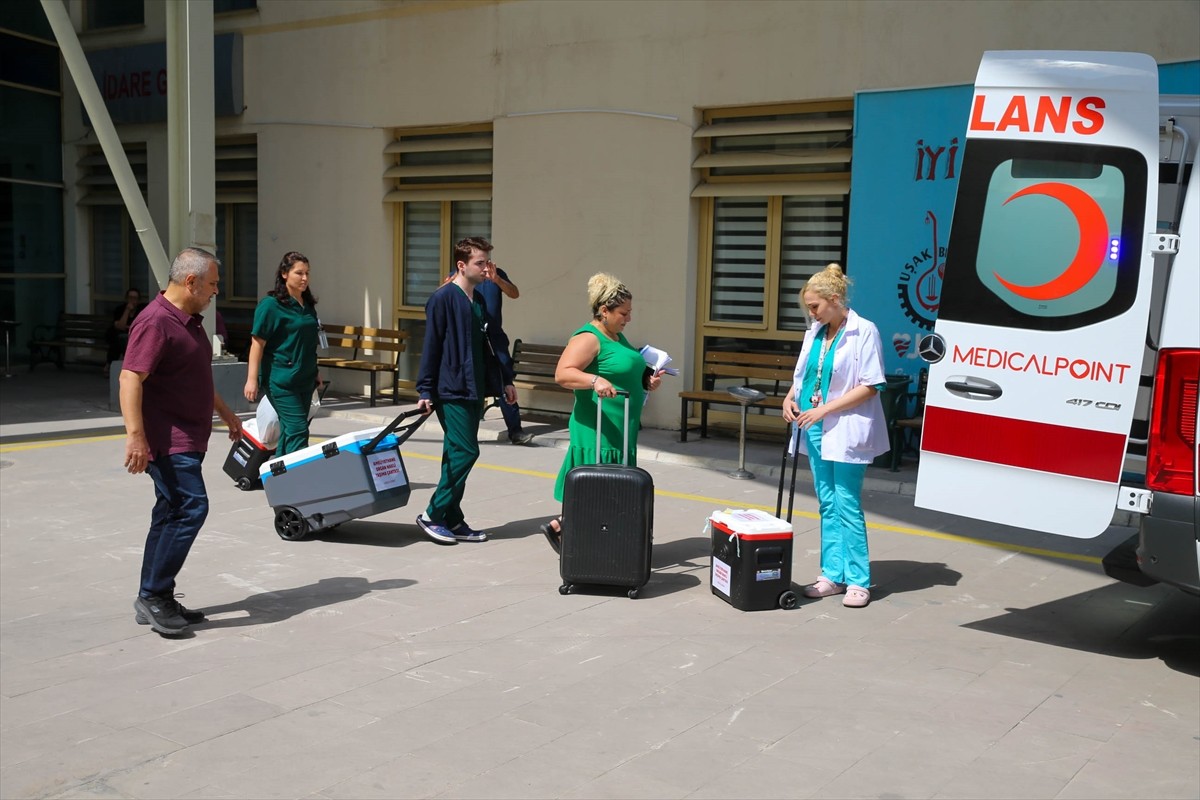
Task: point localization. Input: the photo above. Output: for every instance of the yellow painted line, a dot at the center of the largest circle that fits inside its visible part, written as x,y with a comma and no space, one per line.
878,526
42,445
717,502
713,502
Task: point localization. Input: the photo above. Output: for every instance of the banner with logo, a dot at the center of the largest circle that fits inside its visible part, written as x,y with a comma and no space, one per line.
908,148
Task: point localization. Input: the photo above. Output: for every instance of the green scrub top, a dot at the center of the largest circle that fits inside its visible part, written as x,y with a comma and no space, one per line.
291,332
809,382
477,357
622,365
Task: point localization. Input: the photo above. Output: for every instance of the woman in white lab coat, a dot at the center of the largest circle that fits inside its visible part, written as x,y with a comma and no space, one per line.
835,402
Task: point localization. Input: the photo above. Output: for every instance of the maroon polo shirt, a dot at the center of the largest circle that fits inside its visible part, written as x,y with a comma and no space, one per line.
177,395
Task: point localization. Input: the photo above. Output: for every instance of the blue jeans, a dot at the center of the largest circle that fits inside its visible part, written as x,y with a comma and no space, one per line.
844,555
180,510
512,415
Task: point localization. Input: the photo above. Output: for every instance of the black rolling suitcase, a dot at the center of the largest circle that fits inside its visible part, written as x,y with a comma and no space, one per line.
608,522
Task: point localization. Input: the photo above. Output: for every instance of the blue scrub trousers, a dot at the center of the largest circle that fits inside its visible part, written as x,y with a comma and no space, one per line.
844,556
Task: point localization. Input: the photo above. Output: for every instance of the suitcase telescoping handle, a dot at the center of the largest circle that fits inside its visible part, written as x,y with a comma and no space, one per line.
792,445
599,422
403,437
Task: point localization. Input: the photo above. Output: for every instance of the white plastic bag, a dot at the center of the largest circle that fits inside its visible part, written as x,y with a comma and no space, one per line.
268,423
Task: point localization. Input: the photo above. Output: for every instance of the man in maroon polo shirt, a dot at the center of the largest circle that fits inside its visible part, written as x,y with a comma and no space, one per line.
167,401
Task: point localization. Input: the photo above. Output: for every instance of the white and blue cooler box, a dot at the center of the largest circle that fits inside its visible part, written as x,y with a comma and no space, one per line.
752,559
335,481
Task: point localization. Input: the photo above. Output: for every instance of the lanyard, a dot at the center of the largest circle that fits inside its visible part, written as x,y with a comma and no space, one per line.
825,347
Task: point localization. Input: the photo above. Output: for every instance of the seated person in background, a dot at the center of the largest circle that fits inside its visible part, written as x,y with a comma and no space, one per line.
118,332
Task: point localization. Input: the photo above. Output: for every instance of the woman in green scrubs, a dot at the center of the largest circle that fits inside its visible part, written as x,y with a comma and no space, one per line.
283,351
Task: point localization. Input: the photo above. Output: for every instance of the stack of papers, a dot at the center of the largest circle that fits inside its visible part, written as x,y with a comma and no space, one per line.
658,360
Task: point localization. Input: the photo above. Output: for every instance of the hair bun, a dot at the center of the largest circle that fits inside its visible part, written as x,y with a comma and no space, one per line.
606,290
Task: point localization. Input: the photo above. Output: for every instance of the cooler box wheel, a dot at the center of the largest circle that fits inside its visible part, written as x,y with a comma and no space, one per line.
290,524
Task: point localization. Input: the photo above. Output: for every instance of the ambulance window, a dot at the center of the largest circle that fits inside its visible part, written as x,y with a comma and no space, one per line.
1044,236
1041,170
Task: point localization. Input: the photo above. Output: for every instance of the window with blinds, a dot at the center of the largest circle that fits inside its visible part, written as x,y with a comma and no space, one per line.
440,181
237,223
774,183
118,261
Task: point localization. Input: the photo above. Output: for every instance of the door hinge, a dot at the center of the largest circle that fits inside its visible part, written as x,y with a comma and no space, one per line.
1166,244
1135,499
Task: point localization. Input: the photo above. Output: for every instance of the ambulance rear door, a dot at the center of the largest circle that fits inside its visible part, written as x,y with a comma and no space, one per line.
1035,356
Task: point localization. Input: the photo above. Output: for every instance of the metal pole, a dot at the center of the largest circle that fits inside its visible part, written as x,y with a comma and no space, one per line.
106,133
741,473
191,126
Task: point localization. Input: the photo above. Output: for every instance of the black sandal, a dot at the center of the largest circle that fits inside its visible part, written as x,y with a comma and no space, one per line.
552,536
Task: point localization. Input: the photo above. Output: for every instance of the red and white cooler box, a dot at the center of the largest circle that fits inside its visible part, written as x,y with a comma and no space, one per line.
246,457
752,559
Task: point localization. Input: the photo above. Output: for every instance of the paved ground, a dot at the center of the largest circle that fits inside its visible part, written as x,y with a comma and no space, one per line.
370,662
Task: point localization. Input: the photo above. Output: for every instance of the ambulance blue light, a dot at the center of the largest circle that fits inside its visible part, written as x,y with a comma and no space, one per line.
1114,249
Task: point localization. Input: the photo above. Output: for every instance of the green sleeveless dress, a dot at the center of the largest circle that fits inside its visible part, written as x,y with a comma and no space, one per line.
621,364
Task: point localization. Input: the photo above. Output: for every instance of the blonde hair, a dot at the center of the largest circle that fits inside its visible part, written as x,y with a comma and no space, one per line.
828,283
606,291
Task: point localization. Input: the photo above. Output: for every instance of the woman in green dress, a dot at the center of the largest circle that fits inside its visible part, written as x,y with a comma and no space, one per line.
283,351
597,362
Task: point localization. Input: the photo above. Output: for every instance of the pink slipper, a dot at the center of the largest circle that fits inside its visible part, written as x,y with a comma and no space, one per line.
856,597
823,587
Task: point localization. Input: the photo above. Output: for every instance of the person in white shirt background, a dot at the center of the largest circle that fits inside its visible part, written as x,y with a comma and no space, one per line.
835,404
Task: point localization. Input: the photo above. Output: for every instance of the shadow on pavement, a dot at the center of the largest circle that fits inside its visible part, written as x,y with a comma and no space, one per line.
683,553
49,394
370,532
268,607
1114,620
897,577
660,584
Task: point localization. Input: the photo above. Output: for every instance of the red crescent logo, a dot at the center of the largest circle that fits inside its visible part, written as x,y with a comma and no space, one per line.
1093,243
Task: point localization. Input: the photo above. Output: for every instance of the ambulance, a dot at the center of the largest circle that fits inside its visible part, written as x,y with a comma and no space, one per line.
1070,312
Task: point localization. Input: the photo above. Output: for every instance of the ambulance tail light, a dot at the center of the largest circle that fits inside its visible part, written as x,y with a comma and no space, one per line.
1171,450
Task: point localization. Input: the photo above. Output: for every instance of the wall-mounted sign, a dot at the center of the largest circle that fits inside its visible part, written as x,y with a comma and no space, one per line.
133,80
907,153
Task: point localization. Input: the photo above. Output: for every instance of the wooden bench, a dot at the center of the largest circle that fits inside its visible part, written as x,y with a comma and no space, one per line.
356,339
770,373
82,331
533,368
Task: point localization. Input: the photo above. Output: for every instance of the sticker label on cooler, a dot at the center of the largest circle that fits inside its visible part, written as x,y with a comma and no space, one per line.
720,576
768,575
386,470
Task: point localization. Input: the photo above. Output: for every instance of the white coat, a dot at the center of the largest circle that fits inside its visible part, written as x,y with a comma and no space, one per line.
859,434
